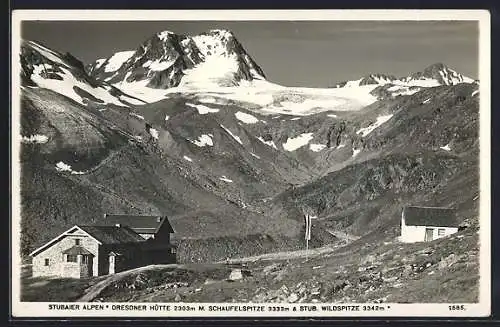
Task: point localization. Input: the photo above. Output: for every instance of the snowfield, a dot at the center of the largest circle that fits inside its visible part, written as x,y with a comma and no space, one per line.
68,83
117,60
294,143
140,90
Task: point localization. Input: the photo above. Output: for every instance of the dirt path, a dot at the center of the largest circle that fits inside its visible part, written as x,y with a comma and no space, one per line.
286,255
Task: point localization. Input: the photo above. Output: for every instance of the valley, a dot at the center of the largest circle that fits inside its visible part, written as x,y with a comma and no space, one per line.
189,127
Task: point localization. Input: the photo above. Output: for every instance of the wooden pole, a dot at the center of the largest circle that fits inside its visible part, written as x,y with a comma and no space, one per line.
307,249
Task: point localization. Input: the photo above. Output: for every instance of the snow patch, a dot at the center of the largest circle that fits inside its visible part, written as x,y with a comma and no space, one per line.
294,143
355,152
340,146
254,155
154,133
158,65
202,110
237,138
380,120
475,92
164,35
37,138
61,166
269,143
296,118
204,140
332,115
246,118
317,147
426,101
225,179
446,147
166,117
117,60
187,159
136,115
98,63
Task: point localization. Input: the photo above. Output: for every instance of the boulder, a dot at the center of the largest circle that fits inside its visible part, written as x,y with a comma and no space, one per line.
236,274
293,298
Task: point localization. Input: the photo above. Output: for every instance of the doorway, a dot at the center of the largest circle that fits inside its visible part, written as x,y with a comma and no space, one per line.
428,234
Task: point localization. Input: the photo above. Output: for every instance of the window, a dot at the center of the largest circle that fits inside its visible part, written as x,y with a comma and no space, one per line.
174,250
440,231
72,258
47,262
85,259
77,241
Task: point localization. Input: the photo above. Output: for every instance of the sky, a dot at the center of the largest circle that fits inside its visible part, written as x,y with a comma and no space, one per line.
291,53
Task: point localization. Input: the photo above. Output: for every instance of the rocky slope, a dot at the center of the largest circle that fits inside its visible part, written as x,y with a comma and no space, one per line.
381,271
231,168
64,74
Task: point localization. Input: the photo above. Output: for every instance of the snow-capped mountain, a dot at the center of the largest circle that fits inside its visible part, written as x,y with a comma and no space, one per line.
437,74
165,60
64,74
390,86
226,153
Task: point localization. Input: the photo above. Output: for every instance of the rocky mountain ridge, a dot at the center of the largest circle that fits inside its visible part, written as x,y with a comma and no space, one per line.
212,160
168,60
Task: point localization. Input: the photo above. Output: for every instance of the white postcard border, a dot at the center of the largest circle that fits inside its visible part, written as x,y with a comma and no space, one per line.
480,309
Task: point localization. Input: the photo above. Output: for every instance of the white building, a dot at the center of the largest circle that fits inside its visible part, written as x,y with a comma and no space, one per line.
424,224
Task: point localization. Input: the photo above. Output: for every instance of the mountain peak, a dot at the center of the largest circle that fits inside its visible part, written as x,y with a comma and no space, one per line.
211,58
442,74
164,35
437,65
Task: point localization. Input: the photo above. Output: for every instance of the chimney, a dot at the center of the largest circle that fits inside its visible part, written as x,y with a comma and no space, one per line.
158,219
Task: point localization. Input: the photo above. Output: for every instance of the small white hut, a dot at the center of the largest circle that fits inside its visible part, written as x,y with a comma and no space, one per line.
424,224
